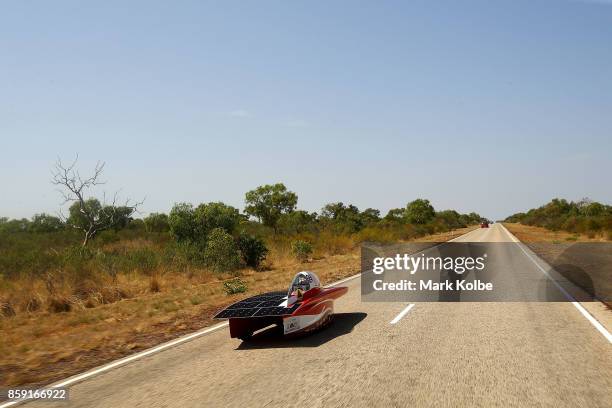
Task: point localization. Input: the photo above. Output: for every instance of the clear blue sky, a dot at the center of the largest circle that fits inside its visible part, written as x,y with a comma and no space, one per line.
493,107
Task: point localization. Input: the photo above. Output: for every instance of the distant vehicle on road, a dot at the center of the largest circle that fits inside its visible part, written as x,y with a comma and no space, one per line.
304,308
484,224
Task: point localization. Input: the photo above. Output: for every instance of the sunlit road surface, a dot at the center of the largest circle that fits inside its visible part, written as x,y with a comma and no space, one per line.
381,354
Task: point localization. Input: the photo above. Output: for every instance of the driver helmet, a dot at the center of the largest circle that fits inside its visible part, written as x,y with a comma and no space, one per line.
302,282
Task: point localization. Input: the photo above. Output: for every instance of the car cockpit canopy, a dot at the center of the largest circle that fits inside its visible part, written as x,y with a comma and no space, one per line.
302,283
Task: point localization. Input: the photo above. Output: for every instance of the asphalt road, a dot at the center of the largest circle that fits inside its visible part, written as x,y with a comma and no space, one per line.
436,354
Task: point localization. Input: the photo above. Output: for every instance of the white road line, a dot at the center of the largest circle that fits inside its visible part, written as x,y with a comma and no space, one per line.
110,366
137,356
512,237
569,297
162,347
462,235
402,314
343,280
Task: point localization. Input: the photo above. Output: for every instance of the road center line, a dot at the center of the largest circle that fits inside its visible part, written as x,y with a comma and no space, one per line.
405,311
402,314
114,364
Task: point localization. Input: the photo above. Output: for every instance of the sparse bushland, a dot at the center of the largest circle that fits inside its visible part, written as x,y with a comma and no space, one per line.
574,238
128,311
44,267
252,249
586,217
302,250
166,274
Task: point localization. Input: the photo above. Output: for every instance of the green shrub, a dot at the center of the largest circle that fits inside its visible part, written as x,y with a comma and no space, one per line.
235,286
156,222
252,250
220,253
267,203
145,260
78,253
118,217
108,237
216,215
45,223
78,262
180,255
194,224
109,263
375,234
332,243
182,222
343,219
594,225
297,222
419,211
301,250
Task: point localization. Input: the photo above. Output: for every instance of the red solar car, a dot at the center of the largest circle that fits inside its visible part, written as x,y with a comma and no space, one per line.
304,308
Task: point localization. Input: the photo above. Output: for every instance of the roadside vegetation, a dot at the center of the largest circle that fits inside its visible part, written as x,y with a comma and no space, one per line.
43,346
100,253
584,217
574,239
99,283
44,266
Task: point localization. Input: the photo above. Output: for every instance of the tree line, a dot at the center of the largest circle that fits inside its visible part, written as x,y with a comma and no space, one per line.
222,237
273,207
583,216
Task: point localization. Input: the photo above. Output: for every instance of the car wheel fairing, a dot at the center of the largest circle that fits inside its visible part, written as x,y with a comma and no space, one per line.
308,322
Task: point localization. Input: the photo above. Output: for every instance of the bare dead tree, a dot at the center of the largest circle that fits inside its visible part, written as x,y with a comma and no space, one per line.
74,188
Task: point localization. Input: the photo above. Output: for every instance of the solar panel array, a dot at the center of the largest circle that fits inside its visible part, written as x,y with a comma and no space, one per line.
258,306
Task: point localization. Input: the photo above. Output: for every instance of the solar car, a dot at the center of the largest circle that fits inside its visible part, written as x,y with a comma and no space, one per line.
304,308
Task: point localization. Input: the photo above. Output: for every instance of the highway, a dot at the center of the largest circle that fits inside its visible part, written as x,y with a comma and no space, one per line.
381,354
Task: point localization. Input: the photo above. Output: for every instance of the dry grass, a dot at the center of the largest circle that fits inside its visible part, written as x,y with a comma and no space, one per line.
42,346
583,260
56,333
527,233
